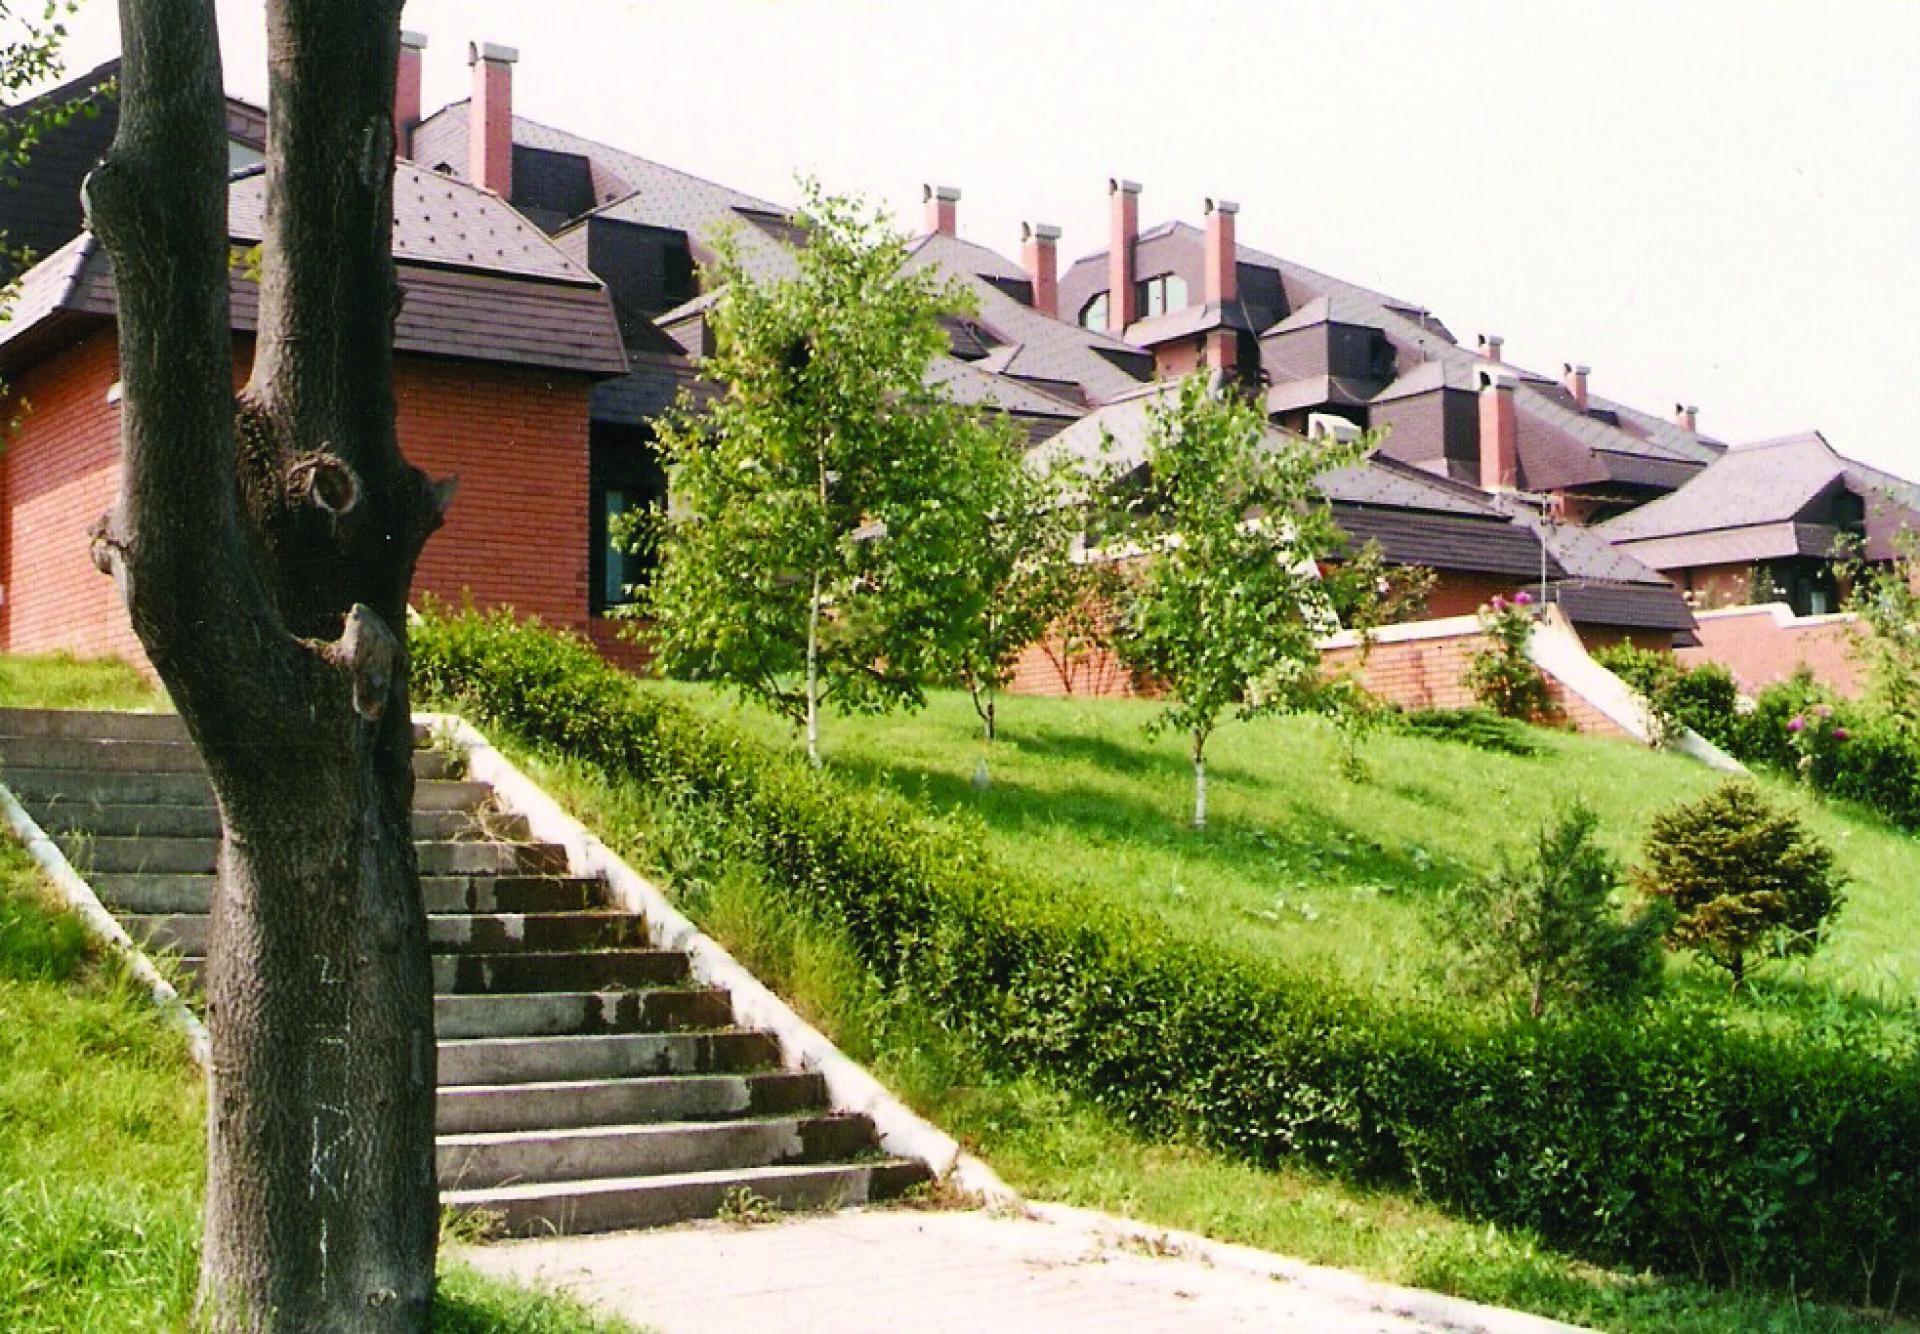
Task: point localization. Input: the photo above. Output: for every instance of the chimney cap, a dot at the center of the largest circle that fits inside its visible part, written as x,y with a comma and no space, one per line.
1488,380
1120,185
1039,231
1222,206
1575,368
479,51
947,193
1491,340
413,41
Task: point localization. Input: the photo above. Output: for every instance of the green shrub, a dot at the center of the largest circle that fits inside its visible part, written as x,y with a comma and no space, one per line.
1839,749
1545,925
1747,881
1502,676
1703,699
1671,1139
1483,729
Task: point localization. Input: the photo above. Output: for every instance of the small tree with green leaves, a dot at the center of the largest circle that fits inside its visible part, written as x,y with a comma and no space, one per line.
1747,881
1503,675
1225,608
810,552
1014,558
1546,927
1886,597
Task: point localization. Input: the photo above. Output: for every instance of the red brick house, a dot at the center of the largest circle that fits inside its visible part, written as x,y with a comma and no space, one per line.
500,341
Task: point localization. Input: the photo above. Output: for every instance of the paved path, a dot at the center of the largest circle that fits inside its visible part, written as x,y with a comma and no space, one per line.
899,1271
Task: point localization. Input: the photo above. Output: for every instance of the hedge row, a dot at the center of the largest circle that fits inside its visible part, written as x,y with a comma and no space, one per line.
1664,1140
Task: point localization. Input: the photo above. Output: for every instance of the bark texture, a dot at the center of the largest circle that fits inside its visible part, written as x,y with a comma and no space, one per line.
265,547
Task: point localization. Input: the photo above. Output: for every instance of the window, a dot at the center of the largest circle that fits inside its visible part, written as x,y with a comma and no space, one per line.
1093,315
626,479
1158,295
622,568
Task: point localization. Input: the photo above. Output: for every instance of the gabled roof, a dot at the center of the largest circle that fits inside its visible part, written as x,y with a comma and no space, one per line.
1034,346
626,187
1753,504
479,283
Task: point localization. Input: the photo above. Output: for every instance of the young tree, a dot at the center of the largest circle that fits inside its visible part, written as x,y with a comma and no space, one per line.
1017,576
1545,925
1747,882
265,547
1886,597
1225,608
809,555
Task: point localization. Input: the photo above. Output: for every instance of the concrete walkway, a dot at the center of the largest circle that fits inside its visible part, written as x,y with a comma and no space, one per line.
1051,1271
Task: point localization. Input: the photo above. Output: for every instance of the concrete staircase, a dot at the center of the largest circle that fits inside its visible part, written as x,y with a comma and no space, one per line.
585,1083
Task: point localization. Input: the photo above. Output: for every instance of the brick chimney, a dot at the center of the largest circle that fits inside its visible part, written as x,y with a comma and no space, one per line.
943,208
1687,417
1499,433
1040,256
490,119
1576,381
1490,345
406,92
1220,284
1123,230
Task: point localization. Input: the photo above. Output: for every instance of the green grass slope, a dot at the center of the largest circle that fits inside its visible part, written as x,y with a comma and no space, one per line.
1300,862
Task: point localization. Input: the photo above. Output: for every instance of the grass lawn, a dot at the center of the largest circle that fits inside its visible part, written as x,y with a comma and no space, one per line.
62,681
1300,862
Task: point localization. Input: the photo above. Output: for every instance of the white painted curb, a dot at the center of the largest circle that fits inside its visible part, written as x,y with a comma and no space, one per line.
803,1047
85,904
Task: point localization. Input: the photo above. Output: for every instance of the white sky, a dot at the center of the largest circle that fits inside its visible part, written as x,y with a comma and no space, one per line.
1711,202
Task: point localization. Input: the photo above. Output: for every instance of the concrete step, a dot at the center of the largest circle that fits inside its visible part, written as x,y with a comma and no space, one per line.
134,892
471,1109
147,757
50,785
471,1162
537,1060
92,724
663,1009
113,725
448,933
534,971
477,974
605,1204
196,856
202,820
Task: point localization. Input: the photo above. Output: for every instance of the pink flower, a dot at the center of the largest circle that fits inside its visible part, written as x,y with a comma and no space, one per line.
1822,711
1499,604
1839,734
1797,725
1522,598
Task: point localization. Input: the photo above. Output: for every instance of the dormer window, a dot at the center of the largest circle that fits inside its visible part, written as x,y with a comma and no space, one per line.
1160,294
1093,315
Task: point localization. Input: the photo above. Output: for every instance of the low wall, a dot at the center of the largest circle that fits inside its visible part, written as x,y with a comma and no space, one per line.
1767,643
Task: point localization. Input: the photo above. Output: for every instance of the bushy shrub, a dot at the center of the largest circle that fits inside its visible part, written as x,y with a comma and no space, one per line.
1747,881
1483,729
1703,699
1503,676
1839,749
1545,925
1670,1140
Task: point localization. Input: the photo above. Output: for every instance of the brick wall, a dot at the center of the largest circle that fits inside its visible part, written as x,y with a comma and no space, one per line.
517,535
1764,644
61,471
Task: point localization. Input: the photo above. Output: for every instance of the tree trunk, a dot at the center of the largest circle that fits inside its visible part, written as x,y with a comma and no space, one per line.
265,550
1199,780
813,674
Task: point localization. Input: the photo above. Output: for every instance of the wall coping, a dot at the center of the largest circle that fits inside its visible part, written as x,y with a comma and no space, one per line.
804,1047
1446,627
1783,615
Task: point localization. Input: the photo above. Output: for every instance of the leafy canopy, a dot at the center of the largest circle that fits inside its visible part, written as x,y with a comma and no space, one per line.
820,499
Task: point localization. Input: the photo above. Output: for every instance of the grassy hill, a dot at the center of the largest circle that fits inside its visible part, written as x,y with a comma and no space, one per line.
1298,860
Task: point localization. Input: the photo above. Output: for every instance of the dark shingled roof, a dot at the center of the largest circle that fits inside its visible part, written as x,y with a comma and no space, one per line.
1761,502
479,283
